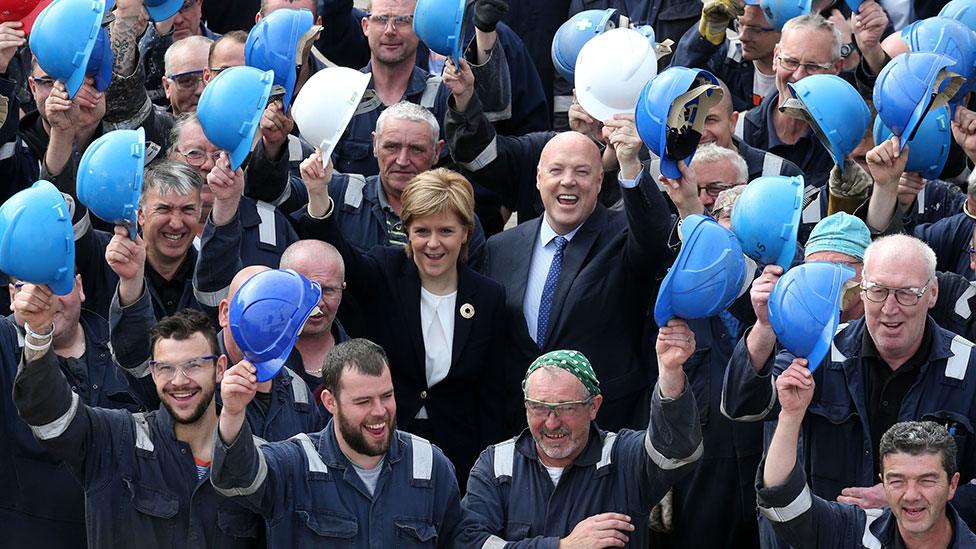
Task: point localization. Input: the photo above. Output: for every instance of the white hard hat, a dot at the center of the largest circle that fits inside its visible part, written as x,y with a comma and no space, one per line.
326,104
611,70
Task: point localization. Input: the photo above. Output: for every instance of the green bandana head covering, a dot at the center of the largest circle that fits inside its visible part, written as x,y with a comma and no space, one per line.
573,362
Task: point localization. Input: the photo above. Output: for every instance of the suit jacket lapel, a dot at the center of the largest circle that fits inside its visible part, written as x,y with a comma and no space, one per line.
573,257
409,286
521,259
462,326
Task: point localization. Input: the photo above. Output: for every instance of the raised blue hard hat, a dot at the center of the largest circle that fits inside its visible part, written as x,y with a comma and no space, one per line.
574,33
766,219
909,86
778,12
110,177
63,38
37,242
267,315
273,45
804,308
963,11
100,63
440,24
948,37
837,113
230,109
671,130
161,10
929,148
707,275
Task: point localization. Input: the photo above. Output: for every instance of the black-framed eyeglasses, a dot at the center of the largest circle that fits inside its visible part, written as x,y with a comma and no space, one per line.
217,70
190,368
541,409
793,65
741,29
197,158
906,297
397,20
42,81
186,80
713,189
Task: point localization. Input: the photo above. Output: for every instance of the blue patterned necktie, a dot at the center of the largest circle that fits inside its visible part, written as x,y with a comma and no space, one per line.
545,304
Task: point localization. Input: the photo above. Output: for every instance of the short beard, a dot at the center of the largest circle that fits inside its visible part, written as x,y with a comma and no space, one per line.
354,437
197,413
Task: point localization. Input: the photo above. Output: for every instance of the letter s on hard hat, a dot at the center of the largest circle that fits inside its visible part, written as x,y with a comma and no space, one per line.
440,24
25,11
963,11
834,110
804,308
37,242
326,104
231,107
63,38
909,86
611,70
929,148
573,34
671,112
766,219
110,177
274,44
778,12
707,276
267,315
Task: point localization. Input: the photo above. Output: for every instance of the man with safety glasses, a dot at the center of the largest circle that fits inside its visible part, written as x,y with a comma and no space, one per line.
146,475
185,62
514,493
895,364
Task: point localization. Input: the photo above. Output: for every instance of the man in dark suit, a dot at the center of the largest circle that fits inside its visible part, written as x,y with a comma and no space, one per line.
582,276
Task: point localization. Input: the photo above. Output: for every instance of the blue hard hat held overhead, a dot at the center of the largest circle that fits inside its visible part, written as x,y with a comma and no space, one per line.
100,63
267,315
275,44
963,11
909,86
929,148
230,109
947,37
574,33
778,12
161,10
110,177
37,242
671,112
707,276
804,308
440,24
834,110
63,38
766,219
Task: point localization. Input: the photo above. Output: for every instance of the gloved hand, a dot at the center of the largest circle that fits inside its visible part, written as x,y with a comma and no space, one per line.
850,189
487,14
716,17
662,514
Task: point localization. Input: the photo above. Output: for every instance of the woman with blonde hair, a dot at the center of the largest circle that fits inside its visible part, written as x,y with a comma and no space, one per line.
440,322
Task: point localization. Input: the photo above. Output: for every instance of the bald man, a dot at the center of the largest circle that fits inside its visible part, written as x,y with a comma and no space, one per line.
581,276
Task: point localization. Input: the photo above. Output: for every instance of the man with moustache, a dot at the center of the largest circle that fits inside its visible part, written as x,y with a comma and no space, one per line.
145,474
358,482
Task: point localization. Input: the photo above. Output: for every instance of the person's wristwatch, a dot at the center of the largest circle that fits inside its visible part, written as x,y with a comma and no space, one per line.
847,49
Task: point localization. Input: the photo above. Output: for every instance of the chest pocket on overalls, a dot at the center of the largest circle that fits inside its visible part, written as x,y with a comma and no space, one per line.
415,533
333,530
837,438
152,502
961,430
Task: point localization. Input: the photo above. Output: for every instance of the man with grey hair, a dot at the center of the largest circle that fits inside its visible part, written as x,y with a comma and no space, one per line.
405,144
893,364
919,476
809,45
185,62
168,216
717,169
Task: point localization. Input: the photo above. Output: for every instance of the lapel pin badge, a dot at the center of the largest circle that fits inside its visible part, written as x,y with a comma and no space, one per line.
467,310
